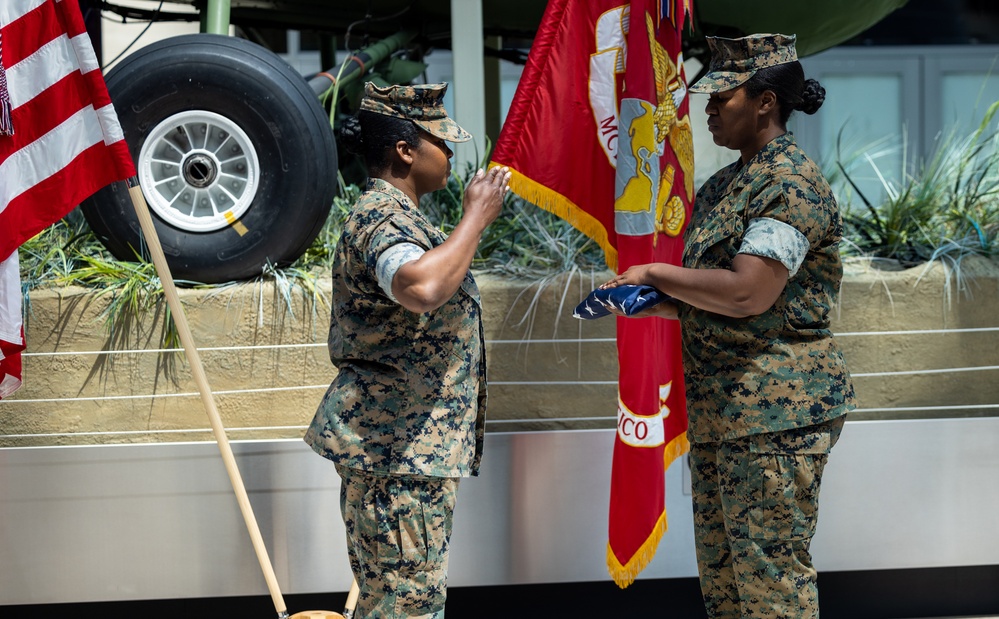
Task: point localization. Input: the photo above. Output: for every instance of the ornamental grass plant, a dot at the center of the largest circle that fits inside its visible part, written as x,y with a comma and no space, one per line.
945,208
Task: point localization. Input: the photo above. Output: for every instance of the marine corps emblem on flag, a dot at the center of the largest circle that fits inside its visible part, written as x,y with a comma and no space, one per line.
644,200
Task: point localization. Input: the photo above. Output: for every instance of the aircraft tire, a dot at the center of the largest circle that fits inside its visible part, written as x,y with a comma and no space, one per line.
234,154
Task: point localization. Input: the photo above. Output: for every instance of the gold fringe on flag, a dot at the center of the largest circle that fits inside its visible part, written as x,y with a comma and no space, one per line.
624,575
676,448
560,206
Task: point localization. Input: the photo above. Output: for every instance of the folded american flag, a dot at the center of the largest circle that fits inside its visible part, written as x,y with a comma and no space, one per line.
629,299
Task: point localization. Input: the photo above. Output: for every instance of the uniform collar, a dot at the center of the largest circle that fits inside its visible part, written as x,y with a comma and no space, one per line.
747,173
382,186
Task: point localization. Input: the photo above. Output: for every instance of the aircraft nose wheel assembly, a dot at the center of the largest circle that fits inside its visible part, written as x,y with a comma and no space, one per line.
234,154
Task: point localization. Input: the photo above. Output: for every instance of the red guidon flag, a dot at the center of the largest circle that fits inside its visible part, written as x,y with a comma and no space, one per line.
66,141
598,133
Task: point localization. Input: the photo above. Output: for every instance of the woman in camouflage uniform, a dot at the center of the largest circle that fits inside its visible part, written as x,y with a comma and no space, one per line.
404,418
767,388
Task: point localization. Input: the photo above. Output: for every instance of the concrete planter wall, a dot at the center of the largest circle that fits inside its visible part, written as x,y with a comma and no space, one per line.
951,325
268,366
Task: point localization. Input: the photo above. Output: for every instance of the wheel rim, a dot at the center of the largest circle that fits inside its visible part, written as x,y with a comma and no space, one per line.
198,171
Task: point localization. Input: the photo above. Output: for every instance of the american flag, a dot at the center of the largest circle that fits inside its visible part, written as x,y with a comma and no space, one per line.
65,145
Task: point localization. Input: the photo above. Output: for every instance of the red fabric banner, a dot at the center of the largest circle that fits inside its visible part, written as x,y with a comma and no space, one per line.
599,134
66,143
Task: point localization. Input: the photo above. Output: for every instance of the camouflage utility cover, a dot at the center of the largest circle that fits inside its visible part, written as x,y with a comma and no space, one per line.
734,61
781,369
410,394
423,104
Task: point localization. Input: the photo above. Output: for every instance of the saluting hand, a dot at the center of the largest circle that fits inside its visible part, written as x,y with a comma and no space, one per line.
484,195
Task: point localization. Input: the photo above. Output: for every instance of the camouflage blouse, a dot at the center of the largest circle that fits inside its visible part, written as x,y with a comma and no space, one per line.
410,393
780,369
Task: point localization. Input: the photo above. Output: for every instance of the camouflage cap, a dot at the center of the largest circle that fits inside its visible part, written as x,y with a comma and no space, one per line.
423,104
734,61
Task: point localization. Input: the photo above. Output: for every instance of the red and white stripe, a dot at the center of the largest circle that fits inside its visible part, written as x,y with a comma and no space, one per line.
67,142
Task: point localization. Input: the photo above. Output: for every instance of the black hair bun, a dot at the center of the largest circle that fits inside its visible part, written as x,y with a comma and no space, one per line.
350,135
812,97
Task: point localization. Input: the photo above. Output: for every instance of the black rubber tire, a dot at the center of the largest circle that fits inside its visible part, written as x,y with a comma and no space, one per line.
271,103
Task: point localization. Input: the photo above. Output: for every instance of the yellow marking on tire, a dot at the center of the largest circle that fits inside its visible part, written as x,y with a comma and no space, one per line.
236,224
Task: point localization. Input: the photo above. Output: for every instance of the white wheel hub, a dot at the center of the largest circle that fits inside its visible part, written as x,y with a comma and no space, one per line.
198,171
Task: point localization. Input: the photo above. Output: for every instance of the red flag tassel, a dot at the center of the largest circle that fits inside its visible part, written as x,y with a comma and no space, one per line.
624,574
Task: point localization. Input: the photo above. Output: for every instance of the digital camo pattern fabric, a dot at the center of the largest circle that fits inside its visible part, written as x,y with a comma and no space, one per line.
410,394
735,61
755,509
391,261
423,104
780,369
400,529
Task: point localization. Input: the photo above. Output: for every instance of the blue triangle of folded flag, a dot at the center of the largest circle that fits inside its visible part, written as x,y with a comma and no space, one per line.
629,299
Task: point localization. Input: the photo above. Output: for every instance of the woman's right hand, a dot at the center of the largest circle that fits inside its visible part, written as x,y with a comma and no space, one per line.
637,275
427,283
484,195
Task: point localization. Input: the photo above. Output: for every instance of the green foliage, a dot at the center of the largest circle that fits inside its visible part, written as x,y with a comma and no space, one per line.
57,252
68,254
525,241
319,255
945,209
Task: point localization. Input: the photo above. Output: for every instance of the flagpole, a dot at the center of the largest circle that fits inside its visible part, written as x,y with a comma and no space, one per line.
184,330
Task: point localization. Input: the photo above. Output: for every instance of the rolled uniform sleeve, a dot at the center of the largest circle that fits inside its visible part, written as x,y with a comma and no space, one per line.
775,239
391,260
390,245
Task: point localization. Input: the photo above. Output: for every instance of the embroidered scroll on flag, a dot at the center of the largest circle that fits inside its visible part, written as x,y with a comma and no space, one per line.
66,141
598,133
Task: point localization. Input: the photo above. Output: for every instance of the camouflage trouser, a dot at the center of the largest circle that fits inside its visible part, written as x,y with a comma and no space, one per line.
755,507
398,532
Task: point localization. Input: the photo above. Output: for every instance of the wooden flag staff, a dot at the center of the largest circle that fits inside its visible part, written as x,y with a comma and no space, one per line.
191,352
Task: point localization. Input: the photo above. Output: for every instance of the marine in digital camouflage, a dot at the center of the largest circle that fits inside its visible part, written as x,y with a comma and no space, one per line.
755,503
780,369
423,104
400,529
409,397
734,61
